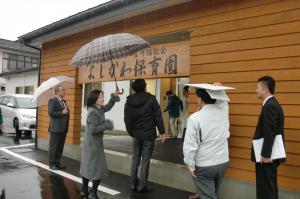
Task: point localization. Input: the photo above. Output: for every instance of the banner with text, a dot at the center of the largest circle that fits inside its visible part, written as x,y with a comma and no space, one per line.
163,60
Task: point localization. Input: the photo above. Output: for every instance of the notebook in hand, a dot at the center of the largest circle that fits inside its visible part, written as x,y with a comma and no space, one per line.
278,150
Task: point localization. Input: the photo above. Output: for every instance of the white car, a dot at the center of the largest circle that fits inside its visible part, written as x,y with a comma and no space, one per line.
18,113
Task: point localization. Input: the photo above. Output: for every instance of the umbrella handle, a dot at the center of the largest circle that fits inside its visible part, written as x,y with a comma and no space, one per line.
120,93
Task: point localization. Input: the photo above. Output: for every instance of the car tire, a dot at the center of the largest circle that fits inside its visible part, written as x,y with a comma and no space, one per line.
28,134
16,125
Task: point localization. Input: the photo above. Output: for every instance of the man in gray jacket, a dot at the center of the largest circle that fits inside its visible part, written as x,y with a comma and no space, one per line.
58,127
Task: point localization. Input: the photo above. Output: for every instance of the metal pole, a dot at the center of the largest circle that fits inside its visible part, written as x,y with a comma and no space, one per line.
39,81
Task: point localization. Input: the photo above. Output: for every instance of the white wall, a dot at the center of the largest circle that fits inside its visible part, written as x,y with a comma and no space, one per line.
1,57
2,80
21,79
117,112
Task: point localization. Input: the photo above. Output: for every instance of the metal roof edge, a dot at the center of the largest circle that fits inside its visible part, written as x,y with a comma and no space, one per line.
100,15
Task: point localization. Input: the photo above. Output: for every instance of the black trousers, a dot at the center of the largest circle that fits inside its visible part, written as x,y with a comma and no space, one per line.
144,150
266,181
56,148
183,134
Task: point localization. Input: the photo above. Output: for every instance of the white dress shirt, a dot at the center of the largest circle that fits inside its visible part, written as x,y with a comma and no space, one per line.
265,101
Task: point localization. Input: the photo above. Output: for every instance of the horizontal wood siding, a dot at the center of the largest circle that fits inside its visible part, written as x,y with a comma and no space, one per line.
232,41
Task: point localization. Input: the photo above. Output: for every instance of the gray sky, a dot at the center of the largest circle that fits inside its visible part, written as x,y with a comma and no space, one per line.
19,16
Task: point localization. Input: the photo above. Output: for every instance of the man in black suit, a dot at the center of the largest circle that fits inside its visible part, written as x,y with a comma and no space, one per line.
58,127
270,124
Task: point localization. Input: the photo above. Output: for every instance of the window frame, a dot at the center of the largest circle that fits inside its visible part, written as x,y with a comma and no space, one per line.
7,101
20,62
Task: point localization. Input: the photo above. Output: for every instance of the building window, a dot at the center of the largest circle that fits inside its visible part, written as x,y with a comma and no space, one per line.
20,90
88,88
13,62
5,65
28,62
21,63
34,62
29,90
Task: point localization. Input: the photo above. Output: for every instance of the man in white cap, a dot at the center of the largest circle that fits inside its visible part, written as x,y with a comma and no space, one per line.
205,146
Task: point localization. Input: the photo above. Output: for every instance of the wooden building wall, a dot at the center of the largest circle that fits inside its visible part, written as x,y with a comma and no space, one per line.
233,42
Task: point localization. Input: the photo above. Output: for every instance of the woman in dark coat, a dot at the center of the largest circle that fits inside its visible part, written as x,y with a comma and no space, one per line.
93,164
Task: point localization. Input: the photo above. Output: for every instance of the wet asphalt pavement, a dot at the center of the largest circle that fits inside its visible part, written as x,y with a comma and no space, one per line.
161,151
23,180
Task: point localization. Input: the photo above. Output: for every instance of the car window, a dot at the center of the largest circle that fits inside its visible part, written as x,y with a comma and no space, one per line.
12,101
25,102
1,98
5,100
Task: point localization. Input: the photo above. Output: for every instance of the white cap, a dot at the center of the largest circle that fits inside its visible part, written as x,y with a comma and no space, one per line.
215,92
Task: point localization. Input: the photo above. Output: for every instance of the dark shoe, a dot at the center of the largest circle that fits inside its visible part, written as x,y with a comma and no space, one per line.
61,167
84,195
194,196
16,141
133,188
143,190
134,185
93,195
54,168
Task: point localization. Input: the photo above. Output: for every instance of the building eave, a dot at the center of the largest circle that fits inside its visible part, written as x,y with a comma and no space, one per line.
115,10
5,74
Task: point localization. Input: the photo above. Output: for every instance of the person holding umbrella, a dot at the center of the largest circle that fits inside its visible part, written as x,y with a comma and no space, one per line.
93,164
59,123
52,92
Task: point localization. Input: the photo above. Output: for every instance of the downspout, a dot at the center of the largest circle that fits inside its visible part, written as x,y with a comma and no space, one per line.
39,79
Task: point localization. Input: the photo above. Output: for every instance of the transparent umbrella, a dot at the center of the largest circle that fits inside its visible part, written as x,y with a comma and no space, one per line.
45,91
108,48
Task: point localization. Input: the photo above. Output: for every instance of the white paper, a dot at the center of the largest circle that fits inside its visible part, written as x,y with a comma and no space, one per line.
209,87
219,95
278,150
215,92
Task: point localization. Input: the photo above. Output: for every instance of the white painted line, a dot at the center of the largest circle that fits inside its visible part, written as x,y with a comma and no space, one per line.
62,173
17,146
116,153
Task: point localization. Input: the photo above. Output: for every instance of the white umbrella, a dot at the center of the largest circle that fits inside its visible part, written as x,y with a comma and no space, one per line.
44,92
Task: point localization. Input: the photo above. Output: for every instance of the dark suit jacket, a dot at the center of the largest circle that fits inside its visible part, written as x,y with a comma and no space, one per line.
59,122
270,124
174,106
